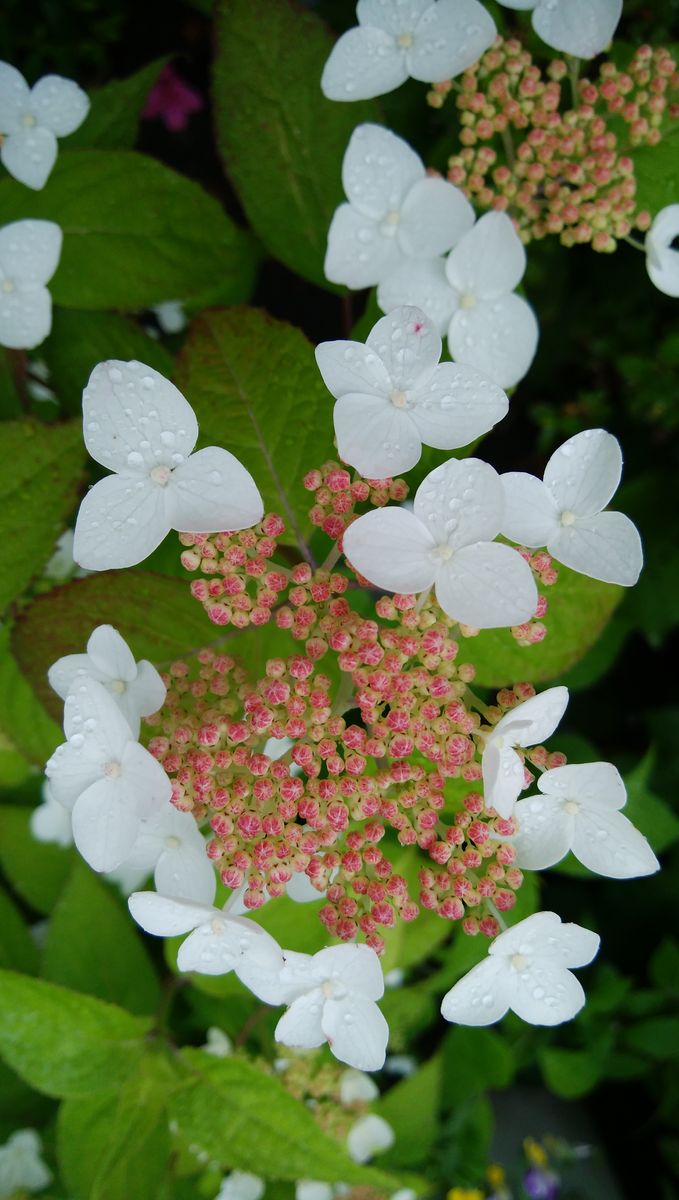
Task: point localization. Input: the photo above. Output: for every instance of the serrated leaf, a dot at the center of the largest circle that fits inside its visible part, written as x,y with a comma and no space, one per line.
113,120
281,141
64,1043
24,724
37,871
135,232
17,948
255,387
38,489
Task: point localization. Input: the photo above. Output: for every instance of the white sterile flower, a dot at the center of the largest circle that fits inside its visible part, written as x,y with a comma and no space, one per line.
218,1043
399,38
139,425
471,295
527,970
582,28
50,821
314,1189
332,997
394,211
33,118
579,810
369,1136
21,1167
356,1085
170,316
662,260
528,724
241,1185
218,942
29,254
564,512
136,687
170,844
393,395
447,542
104,776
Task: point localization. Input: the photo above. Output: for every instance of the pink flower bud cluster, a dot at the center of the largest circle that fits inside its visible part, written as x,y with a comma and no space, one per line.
569,172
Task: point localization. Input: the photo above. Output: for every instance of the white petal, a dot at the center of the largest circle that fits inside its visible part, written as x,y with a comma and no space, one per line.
217,947
14,97
480,997
135,419
450,36
260,965
530,516
609,844
662,262
376,438
355,1085
434,216
379,170
29,155
70,772
545,832
29,250
147,692
59,104
167,917
25,317
296,977
460,502
535,720
457,405
354,965
352,367
489,261
423,284
363,63
51,822
370,1135
487,585
499,337
605,547
395,16
212,491
408,345
92,717
582,476
111,654
356,1031
144,778
64,671
185,871
301,1024
392,549
543,937
312,1189
520,4
580,27
241,1185
597,784
120,522
105,824
301,889
358,255
502,778
545,994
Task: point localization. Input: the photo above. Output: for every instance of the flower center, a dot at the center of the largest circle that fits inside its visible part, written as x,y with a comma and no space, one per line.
405,40
468,300
8,285
398,399
161,475
519,962
389,225
442,552
28,120
173,843
112,769
571,808
567,518
217,925
118,686
328,989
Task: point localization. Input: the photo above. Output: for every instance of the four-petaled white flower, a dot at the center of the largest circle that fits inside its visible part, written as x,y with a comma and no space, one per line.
170,844
136,687
393,395
527,971
139,425
332,997
528,724
582,28
241,1185
395,211
217,943
579,810
21,1167
471,295
394,39
104,776
564,511
662,260
370,1135
29,254
33,118
447,542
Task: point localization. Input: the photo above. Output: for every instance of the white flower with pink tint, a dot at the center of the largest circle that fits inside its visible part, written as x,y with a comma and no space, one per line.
527,724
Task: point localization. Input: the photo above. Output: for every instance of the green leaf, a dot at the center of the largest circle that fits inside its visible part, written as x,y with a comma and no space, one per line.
36,870
569,1073
255,387
17,948
155,614
475,1060
64,1043
411,1107
281,141
664,965
38,489
10,404
135,232
113,120
579,609
651,815
658,1038
656,169
114,964
24,724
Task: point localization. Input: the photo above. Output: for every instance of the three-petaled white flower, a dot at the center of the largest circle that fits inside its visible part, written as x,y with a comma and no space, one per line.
332,997
528,724
527,970
139,425
564,511
395,211
136,687
582,28
662,260
471,296
447,542
393,395
29,254
104,776
21,1165
394,39
170,844
579,810
217,943
33,118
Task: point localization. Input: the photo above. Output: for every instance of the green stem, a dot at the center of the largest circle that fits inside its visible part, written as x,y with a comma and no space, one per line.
633,242
329,562
508,143
498,915
574,76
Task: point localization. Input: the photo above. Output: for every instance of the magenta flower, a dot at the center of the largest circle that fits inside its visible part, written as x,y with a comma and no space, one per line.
172,101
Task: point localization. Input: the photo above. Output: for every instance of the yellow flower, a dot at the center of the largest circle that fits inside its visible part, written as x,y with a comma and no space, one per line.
495,1175
535,1153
